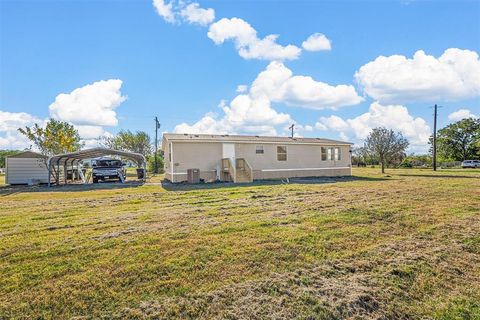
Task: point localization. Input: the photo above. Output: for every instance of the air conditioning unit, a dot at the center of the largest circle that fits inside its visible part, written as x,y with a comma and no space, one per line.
193,175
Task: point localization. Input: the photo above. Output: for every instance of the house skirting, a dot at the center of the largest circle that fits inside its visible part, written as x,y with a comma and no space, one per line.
301,173
207,176
266,174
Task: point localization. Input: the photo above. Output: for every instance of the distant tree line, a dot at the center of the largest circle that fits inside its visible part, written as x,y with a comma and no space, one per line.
458,141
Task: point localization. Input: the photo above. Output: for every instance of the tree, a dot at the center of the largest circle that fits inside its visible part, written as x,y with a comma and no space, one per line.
459,141
138,142
386,145
57,137
151,163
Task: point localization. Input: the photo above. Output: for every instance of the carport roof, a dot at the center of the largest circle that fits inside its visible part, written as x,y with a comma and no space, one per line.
61,159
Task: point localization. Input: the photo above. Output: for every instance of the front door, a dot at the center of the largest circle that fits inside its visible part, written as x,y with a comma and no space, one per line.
229,151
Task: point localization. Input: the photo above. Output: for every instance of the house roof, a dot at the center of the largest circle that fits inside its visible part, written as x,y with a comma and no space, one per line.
95,153
179,137
27,154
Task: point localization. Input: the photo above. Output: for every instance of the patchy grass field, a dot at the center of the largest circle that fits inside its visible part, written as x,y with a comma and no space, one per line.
402,245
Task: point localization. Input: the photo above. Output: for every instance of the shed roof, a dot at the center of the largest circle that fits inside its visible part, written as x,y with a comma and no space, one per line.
249,139
27,154
61,159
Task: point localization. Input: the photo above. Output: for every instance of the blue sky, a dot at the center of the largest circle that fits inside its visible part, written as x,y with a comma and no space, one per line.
181,65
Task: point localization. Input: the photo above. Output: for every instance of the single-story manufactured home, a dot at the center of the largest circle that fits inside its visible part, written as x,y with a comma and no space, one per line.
240,158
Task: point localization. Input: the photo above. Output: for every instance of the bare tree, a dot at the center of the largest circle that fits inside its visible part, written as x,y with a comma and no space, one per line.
385,145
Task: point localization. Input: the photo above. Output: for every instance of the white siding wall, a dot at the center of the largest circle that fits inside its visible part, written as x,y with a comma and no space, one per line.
21,170
303,160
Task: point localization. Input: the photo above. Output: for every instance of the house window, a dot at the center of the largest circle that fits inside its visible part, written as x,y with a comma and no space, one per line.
331,153
324,153
337,154
259,150
282,153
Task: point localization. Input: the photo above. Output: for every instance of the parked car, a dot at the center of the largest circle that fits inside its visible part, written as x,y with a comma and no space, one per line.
108,169
471,164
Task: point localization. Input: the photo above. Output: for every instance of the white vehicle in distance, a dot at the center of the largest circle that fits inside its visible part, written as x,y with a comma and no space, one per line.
471,164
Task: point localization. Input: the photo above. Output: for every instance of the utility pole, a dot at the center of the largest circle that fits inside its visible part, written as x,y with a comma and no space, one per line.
435,139
291,128
157,126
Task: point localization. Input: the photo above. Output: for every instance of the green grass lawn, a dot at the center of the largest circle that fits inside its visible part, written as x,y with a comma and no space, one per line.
401,245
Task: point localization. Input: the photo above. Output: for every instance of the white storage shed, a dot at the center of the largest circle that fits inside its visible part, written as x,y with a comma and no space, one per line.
26,167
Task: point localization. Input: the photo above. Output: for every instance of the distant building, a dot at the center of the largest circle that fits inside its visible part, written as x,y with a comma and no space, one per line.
26,167
241,158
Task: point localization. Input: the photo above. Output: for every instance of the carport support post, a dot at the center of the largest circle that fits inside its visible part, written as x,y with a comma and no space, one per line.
58,171
65,173
49,172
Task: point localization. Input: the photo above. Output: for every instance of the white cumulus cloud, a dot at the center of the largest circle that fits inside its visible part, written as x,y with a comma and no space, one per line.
317,42
395,117
93,104
165,10
196,15
11,121
252,112
248,44
461,114
280,85
91,132
244,115
455,75
12,140
242,88
10,137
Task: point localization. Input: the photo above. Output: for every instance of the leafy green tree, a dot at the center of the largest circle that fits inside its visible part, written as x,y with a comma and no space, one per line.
151,163
459,141
4,154
138,142
57,137
386,146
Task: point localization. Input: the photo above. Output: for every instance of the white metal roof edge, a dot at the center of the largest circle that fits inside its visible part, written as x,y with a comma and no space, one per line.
176,137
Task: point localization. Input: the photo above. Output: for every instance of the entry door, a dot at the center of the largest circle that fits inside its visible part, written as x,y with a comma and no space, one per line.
229,151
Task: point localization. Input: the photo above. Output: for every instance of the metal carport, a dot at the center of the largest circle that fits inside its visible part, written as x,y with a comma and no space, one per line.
73,158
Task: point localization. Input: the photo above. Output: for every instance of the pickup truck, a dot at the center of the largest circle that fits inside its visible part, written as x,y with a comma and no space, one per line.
471,164
108,169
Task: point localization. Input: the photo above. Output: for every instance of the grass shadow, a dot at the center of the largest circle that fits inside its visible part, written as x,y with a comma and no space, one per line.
292,181
438,176
11,190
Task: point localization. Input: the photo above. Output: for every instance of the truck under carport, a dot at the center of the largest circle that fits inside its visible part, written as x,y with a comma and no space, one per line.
71,161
